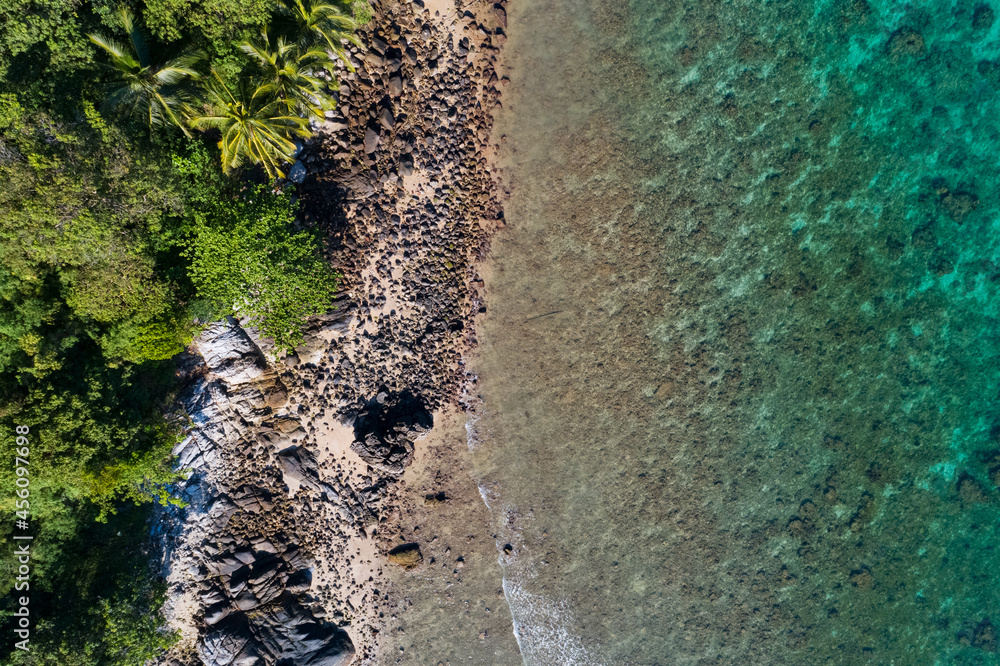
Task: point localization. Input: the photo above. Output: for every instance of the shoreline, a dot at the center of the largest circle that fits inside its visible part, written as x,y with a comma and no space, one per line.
399,180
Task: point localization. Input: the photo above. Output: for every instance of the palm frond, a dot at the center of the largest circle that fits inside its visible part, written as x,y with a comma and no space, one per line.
209,122
255,123
112,47
143,89
258,53
135,35
169,76
188,60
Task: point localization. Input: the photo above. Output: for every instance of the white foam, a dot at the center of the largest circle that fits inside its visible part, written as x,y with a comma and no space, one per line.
540,629
540,624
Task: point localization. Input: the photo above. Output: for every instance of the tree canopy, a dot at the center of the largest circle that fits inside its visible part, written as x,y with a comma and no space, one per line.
139,143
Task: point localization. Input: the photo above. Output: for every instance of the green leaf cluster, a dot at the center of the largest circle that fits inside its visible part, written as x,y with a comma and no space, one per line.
246,255
99,604
120,237
260,107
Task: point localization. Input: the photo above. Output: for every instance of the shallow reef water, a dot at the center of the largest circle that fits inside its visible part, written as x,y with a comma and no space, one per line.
740,371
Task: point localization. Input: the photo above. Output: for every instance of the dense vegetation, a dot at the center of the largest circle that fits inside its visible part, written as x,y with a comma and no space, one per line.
138,148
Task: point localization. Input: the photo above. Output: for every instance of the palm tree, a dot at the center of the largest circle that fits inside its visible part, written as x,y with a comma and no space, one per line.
290,74
145,86
255,125
315,22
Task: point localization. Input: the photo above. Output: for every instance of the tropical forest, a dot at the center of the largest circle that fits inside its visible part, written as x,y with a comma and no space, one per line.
145,154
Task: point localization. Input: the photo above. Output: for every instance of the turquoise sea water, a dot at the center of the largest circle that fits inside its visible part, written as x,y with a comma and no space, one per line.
740,372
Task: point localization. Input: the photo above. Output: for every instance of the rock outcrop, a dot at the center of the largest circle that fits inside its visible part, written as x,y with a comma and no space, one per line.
248,587
264,564
387,426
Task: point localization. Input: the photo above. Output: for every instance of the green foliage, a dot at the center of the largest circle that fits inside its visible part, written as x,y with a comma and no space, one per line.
142,477
119,285
159,340
52,28
289,72
145,85
85,234
260,106
245,255
98,606
84,222
362,10
318,23
86,418
134,635
215,24
256,126
11,112
119,237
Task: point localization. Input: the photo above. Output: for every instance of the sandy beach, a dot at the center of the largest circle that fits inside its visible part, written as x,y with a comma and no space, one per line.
355,445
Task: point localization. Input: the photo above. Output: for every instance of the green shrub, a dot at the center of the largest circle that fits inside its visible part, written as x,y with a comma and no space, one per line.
362,10
246,256
217,24
158,340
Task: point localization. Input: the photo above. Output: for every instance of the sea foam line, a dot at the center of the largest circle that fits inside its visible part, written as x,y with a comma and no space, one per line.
539,624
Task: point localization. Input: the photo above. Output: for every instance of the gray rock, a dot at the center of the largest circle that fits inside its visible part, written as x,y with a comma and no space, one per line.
217,612
246,600
395,86
297,173
245,556
385,429
230,353
300,466
224,565
299,582
230,643
291,635
371,140
387,120
405,165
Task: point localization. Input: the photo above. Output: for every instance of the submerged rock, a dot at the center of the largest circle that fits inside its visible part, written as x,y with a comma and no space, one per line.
407,555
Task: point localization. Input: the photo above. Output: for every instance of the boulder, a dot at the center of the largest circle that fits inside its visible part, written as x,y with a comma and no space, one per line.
407,555
371,140
299,465
395,86
290,634
230,353
217,612
405,165
297,173
230,643
299,582
386,119
385,429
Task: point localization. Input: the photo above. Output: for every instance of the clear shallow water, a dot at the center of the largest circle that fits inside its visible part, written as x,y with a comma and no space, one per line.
740,372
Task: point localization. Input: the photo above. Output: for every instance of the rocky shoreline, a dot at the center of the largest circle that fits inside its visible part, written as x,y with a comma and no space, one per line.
282,553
